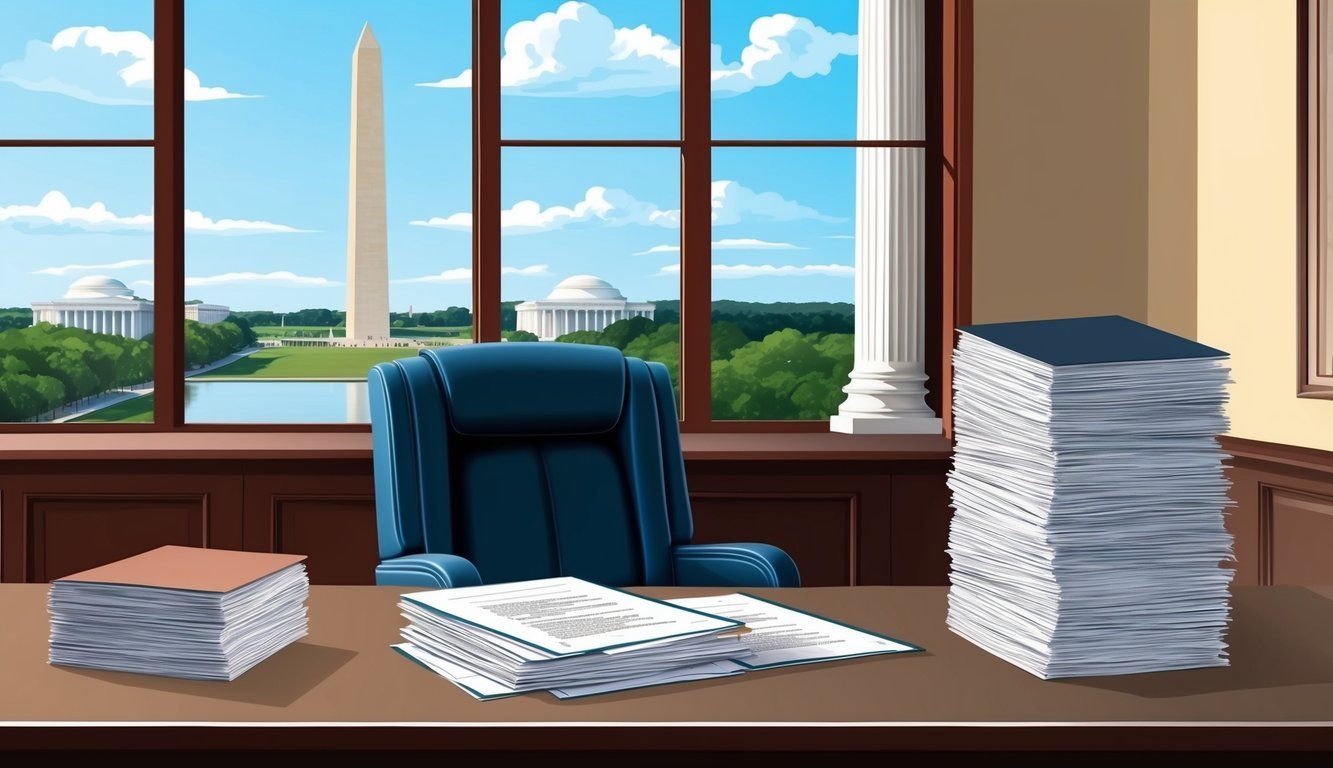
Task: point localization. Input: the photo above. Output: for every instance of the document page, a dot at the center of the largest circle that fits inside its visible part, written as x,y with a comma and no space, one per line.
781,636
566,616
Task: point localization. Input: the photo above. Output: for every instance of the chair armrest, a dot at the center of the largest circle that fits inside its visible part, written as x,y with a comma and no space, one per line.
429,570
734,565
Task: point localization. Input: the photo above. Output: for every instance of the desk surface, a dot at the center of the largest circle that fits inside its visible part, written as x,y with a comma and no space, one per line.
343,687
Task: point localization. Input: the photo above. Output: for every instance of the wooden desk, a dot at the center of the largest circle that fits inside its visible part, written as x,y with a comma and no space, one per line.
343,688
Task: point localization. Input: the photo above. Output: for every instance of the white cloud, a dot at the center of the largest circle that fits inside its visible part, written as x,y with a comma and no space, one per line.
751,244
284,278
781,45
101,66
65,270
536,270
841,237
658,249
577,51
614,207
464,274
55,210
733,202
461,80
459,275
741,271
728,244
197,223
461,222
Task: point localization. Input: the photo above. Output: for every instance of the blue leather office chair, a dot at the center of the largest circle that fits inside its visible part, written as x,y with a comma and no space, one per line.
511,461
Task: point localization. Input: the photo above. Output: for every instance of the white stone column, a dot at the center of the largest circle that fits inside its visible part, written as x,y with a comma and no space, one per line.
886,393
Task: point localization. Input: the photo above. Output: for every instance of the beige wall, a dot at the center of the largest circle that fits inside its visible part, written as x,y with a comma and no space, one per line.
1247,216
1173,69
1060,223
1138,157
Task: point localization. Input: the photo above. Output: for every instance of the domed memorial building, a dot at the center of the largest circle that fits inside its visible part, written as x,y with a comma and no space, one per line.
102,304
578,303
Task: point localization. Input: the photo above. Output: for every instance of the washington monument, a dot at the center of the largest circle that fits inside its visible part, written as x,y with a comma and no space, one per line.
367,235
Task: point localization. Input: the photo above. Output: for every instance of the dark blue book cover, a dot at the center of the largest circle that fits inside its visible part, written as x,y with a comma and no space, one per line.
1084,340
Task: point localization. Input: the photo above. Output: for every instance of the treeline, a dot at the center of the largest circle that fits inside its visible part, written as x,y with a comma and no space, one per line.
755,319
15,317
44,366
787,373
325,317
452,317
206,342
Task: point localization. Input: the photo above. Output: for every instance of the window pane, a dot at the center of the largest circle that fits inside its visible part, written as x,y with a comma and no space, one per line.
596,70
783,269
278,186
76,229
784,69
77,69
591,249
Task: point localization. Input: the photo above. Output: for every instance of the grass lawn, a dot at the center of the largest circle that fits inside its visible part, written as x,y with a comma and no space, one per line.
136,410
308,363
421,332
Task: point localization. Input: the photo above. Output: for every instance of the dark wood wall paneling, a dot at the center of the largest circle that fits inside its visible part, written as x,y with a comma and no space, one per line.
1283,519
853,522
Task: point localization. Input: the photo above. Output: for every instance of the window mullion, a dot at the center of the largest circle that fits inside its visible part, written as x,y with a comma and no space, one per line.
696,283
169,226
486,51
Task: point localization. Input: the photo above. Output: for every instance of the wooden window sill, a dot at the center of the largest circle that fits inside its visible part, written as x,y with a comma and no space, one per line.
213,446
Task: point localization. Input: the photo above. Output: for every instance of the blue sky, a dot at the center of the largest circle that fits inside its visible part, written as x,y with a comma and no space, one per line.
267,145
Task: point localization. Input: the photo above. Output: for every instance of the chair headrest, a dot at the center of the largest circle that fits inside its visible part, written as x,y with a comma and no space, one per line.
532,388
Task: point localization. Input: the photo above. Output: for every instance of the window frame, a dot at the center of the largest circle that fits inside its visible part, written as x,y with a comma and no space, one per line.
948,75
1314,301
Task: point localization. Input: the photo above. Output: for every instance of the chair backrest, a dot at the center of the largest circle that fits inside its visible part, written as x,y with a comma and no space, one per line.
531,460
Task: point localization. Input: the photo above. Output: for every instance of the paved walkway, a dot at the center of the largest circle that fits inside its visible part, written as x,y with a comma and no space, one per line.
113,396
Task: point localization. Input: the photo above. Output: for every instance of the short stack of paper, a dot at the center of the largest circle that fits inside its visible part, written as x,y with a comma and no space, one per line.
206,614
561,634
1088,534
574,638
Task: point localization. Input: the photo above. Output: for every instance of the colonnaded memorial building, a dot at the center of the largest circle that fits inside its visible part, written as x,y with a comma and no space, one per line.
102,304
578,303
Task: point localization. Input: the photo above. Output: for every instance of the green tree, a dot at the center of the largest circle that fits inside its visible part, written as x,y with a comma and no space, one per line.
787,375
583,337
727,337
50,390
21,396
622,332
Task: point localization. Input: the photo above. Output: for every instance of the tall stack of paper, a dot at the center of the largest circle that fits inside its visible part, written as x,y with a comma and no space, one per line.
207,614
564,635
1088,534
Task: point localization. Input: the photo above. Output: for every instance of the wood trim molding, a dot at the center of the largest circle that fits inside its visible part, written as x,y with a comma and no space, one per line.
328,446
1264,562
1293,456
1309,200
